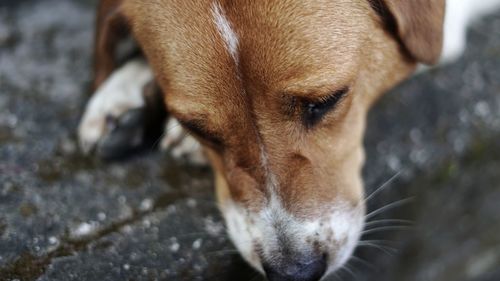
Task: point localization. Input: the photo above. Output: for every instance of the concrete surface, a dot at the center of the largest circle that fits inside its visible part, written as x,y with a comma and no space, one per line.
67,217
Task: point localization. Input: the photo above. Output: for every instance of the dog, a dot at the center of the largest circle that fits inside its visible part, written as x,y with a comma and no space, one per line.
277,94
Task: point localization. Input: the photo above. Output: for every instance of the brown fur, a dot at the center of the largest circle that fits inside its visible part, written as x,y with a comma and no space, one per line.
111,27
288,50
419,25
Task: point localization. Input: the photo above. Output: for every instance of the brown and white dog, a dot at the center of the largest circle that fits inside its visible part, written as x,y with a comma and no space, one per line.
277,93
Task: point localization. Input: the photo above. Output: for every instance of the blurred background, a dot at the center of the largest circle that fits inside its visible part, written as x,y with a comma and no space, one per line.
433,143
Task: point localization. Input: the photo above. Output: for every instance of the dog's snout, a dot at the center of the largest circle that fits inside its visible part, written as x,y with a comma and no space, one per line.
308,270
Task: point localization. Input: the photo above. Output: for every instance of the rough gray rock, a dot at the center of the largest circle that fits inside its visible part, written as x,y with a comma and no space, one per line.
67,217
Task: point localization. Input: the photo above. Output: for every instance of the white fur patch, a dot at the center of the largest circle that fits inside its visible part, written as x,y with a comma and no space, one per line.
173,134
337,232
121,92
181,144
348,225
225,30
459,14
242,232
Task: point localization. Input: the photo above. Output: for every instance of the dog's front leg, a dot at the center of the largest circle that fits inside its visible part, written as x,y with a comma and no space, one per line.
115,107
119,112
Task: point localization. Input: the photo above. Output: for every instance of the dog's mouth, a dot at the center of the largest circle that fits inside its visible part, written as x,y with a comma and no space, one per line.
284,247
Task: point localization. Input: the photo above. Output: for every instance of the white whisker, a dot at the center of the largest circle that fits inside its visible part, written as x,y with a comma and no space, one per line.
363,262
387,207
225,251
347,269
332,276
382,187
379,242
386,228
350,270
385,221
386,249
337,276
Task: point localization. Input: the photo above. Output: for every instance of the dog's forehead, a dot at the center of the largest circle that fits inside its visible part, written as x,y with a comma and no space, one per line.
290,41
257,46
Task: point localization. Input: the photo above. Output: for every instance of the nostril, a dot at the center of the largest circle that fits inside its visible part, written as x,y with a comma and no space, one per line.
311,270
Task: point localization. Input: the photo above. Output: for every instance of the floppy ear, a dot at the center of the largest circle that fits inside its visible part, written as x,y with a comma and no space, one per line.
111,28
418,25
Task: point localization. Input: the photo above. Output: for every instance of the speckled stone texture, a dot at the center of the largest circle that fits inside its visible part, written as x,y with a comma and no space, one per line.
67,217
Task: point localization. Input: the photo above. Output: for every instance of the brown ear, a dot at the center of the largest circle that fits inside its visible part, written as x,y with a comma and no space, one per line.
111,28
419,26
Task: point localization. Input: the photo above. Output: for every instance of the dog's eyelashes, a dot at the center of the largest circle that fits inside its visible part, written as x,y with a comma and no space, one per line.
313,112
203,134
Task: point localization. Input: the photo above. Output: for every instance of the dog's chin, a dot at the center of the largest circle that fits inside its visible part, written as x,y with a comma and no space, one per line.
258,236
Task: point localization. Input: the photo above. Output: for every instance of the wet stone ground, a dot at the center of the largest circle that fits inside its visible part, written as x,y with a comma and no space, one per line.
67,217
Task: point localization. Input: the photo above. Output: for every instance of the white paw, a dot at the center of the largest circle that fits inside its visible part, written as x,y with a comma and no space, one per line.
120,93
180,144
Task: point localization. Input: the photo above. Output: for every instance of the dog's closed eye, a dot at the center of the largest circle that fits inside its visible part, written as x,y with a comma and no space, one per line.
200,132
314,111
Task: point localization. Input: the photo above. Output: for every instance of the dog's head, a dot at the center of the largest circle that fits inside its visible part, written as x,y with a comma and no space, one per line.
278,92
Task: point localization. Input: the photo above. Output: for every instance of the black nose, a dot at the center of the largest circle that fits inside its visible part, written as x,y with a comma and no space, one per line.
311,270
